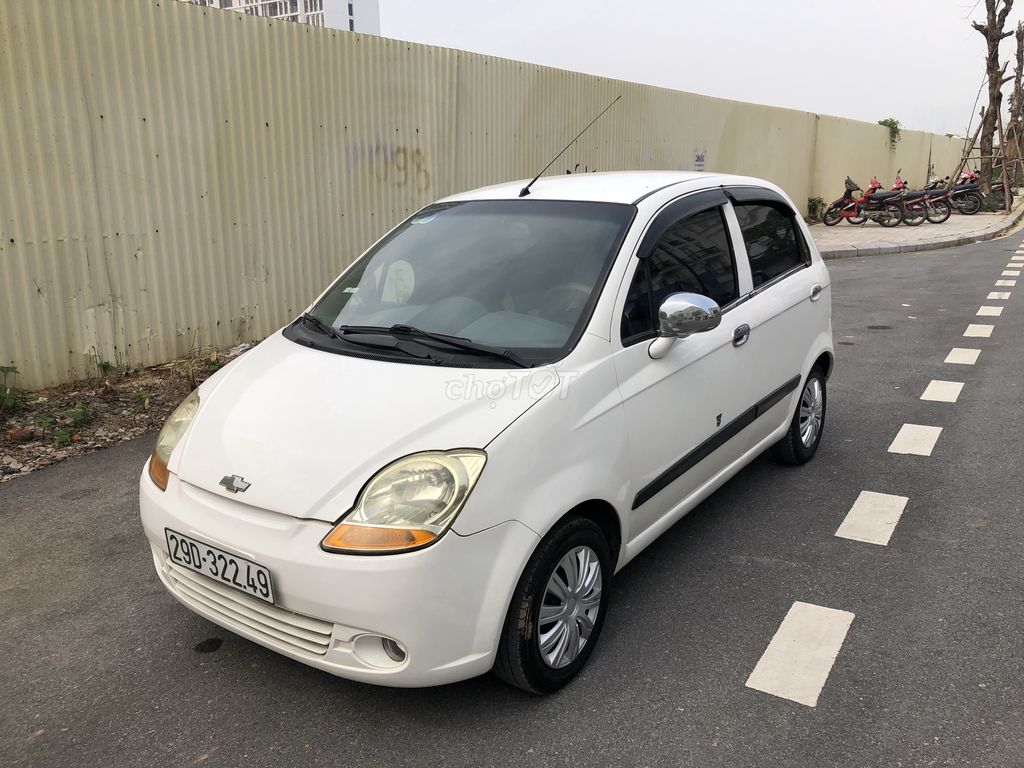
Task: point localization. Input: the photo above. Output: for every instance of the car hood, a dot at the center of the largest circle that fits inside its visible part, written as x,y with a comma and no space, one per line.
307,428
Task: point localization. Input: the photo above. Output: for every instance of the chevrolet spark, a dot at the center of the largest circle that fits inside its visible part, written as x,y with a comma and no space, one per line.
436,469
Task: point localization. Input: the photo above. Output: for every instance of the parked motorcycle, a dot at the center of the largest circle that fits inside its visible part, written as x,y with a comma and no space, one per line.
974,177
886,208
965,195
921,204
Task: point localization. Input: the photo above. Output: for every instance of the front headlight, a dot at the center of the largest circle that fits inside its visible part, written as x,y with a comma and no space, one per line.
408,504
171,433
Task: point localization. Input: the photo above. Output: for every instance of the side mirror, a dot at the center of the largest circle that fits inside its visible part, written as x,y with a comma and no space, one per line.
681,315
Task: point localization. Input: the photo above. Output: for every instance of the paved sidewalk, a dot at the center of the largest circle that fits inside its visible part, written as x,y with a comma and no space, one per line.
871,239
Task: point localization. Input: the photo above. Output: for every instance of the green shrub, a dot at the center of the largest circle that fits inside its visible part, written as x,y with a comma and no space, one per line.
11,398
894,131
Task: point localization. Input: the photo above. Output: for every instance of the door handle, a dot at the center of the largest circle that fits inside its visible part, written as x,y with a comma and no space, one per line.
741,335
816,292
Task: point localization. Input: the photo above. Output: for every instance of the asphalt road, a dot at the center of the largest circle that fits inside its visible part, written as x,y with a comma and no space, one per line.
101,667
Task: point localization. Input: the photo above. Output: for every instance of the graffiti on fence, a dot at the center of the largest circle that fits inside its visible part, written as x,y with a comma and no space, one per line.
395,164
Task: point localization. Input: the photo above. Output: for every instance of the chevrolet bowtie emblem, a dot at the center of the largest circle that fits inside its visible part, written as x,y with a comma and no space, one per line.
234,483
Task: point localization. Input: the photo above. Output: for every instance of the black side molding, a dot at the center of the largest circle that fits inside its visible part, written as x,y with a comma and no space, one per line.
713,443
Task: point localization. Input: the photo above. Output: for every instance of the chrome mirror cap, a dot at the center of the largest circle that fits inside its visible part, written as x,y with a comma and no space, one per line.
683,314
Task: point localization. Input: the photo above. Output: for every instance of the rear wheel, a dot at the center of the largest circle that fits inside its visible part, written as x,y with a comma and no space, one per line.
891,216
801,441
939,211
832,216
557,609
914,214
997,195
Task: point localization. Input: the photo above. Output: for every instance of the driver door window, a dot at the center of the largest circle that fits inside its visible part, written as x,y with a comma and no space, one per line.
693,256
675,404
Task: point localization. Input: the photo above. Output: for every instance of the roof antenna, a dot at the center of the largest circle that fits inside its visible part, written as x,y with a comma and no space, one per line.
526,190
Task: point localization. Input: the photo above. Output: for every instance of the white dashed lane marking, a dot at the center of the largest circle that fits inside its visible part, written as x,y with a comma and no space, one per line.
797,661
916,440
942,391
961,356
978,331
873,518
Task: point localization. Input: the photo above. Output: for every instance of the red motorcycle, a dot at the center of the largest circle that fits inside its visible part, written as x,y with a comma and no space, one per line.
884,207
965,195
973,178
920,204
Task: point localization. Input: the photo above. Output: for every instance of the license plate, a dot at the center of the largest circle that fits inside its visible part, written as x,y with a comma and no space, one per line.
234,571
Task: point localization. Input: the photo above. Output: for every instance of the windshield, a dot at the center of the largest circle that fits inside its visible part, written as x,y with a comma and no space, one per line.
520,275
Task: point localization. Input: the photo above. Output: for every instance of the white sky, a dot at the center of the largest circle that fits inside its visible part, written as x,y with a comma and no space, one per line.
916,60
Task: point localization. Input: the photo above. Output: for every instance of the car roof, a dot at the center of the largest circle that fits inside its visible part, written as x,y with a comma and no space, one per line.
615,187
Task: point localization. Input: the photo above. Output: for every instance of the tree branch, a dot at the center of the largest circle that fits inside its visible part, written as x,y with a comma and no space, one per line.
1007,6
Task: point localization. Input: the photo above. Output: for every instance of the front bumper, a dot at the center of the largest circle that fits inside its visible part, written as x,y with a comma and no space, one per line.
444,604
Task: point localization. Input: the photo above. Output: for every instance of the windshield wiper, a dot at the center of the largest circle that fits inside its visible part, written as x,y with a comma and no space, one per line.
320,325
330,330
456,342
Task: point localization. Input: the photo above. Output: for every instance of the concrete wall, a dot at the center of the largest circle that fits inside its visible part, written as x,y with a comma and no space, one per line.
174,176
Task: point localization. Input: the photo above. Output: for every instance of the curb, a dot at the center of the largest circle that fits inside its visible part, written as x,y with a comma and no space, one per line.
992,232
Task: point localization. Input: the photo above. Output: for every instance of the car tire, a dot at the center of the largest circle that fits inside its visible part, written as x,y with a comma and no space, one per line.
520,660
798,447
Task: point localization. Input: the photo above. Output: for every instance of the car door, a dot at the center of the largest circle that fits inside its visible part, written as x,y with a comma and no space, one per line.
786,314
686,411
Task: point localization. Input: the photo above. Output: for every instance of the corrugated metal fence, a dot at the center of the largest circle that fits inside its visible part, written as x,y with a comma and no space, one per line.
173,176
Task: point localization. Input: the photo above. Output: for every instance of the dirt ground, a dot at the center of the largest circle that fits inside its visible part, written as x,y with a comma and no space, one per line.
50,425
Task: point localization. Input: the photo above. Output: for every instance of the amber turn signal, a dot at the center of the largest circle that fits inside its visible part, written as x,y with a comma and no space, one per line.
158,471
367,538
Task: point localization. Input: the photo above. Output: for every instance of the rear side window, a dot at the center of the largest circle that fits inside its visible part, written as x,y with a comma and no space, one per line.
693,256
774,243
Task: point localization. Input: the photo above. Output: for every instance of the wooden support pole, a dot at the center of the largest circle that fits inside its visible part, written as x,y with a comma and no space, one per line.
966,153
1002,152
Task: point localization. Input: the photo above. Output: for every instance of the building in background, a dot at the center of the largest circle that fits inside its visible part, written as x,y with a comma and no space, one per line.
353,15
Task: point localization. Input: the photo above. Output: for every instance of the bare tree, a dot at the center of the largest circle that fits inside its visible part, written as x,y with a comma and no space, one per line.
1012,151
992,29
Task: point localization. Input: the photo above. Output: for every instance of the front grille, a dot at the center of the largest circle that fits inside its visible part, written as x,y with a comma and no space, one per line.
303,634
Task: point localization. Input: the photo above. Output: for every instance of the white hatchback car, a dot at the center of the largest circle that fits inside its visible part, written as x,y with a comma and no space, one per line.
435,471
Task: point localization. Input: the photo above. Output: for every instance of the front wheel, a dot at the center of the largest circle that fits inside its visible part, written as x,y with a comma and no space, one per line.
914,214
891,216
801,441
557,609
832,216
939,211
969,203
